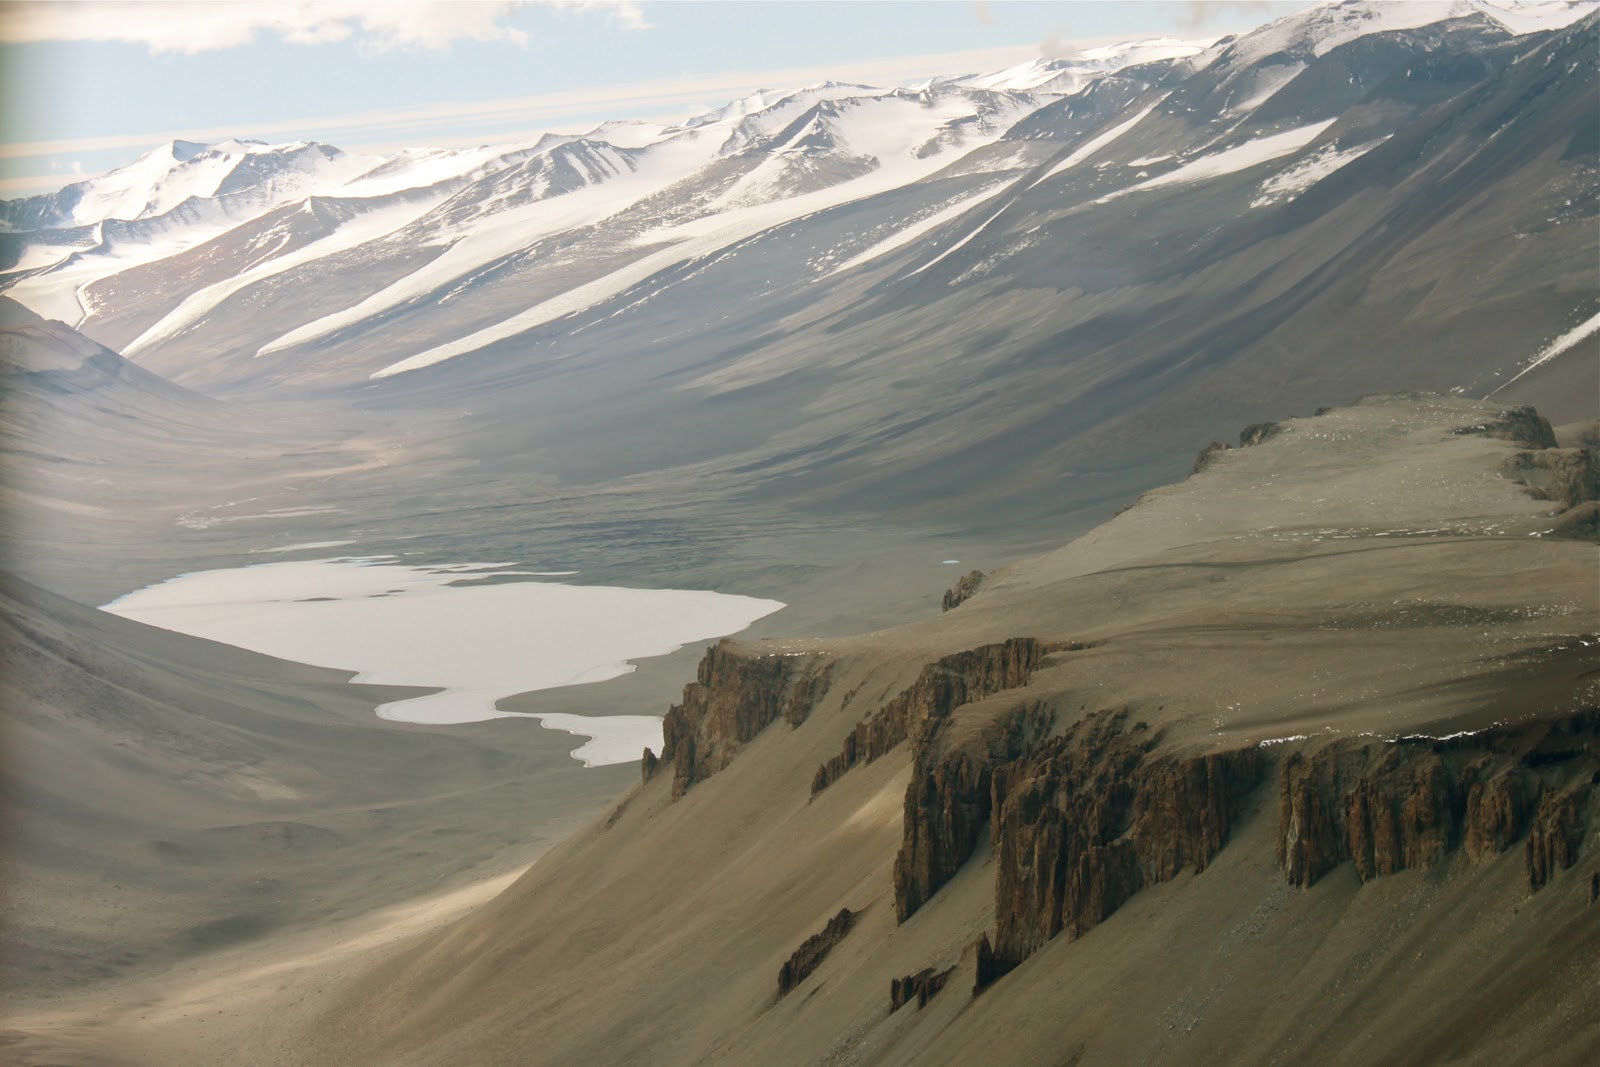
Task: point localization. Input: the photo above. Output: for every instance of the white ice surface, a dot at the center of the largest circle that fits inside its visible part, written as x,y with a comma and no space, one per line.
1534,18
54,294
1081,153
497,234
910,233
711,233
1266,85
303,546
1094,144
357,230
1588,328
403,625
1231,160
1292,181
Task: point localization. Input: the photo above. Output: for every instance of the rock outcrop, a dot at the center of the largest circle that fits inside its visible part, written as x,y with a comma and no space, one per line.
920,987
1523,425
943,686
647,765
1567,476
734,697
965,586
1556,835
947,805
1406,804
809,956
1258,432
1253,434
1581,523
1092,816
1205,456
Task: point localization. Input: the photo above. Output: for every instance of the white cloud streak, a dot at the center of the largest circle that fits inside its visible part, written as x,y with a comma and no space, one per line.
470,122
374,25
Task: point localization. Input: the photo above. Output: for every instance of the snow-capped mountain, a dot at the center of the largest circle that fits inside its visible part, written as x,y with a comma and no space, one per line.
180,171
232,265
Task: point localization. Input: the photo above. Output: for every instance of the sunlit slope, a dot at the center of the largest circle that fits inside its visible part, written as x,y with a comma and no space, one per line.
1364,594
166,796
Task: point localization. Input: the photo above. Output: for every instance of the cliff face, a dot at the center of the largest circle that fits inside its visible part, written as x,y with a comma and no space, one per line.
920,987
1568,476
943,686
1523,425
798,967
948,801
1406,804
733,698
1094,815
965,586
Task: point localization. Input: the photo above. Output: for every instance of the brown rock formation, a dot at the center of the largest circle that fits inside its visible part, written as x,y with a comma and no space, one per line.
1091,817
989,968
942,687
1556,834
1523,425
1496,813
1406,804
1258,432
809,956
1581,523
1568,476
734,697
965,586
947,803
1253,434
920,987
647,765
1206,456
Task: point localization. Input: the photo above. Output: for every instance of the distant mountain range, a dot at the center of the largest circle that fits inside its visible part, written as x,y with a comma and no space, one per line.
933,299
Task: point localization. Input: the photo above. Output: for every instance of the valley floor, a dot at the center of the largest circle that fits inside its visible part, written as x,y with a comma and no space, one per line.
1291,762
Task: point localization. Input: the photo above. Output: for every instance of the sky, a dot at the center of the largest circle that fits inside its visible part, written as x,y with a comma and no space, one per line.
89,85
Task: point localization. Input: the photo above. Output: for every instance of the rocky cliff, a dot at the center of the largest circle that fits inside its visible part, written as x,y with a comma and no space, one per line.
942,687
733,698
920,987
948,802
1095,814
813,950
959,593
1523,425
1389,806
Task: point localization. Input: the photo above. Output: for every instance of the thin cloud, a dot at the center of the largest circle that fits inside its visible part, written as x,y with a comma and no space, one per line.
468,122
1199,13
1057,46
374,25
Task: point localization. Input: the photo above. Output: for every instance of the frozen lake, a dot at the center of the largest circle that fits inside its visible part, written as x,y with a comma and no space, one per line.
476,632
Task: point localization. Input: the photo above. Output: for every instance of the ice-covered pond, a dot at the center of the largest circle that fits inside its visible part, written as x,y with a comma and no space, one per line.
477,632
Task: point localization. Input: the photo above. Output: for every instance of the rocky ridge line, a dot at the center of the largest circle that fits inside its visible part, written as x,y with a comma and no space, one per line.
1390,806
943,686
965,587
1095,814
733,698
813,950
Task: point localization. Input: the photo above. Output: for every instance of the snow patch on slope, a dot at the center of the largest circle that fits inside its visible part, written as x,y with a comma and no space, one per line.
692,240
1588,328
1231,160
910,233
356,231
1090,147
1292,181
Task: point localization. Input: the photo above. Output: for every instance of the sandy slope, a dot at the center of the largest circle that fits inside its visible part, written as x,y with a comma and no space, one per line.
1366,570
168,799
